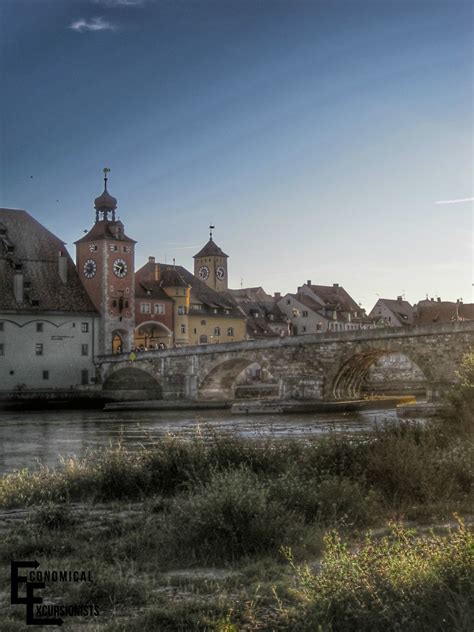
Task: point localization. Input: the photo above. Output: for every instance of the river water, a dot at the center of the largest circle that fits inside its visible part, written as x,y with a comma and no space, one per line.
28,439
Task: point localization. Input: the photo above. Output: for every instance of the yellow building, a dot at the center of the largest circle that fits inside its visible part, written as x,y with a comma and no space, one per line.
200,314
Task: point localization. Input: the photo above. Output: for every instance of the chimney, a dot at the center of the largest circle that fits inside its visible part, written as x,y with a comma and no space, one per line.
400,299
277,296
335,285
439,299
308,282
18,284
62,266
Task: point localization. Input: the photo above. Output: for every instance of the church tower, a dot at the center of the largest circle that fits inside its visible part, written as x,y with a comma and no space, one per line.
210,265
105,259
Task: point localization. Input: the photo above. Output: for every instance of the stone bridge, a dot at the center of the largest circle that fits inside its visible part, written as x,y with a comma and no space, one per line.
323,367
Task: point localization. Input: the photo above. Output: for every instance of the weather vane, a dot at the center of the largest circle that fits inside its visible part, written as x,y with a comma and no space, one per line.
106,170
211,228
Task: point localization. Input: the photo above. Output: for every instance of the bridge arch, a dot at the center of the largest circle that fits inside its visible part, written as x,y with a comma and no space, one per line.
221,381
133,379
151,333
352,377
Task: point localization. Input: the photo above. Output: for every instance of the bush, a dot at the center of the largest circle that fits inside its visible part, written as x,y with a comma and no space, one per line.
400,582
227,518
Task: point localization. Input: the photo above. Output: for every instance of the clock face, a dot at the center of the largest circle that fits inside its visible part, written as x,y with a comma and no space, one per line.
120,268
220,272
203,273
90,268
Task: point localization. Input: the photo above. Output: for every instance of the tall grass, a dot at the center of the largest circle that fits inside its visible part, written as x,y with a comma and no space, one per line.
399,582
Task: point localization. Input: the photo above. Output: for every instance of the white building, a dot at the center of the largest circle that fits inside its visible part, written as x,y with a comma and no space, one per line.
48,325
392,313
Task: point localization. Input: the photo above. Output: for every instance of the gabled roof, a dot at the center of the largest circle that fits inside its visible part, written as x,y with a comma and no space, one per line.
335,295
105,230
211,249
151,290
401,309
443,312
251,294
28,244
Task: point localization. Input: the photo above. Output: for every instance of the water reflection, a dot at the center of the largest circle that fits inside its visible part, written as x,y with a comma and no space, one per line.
28,439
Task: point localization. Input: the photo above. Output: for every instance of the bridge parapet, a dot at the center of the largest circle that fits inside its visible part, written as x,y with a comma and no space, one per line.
318,366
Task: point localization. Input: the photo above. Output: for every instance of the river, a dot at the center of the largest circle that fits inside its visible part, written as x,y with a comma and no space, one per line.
28,439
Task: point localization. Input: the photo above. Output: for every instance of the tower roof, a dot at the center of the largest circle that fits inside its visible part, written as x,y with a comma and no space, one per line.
105,201
210,249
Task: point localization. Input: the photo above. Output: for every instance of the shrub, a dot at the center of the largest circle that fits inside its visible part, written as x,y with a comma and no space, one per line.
400,582
227,518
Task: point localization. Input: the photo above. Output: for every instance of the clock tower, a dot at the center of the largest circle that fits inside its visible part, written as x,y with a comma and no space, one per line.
210,265
105,259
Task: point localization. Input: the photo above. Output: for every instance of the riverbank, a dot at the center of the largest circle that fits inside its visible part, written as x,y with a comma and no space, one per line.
267,406
189,535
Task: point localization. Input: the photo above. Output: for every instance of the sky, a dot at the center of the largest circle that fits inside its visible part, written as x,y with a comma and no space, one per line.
325,140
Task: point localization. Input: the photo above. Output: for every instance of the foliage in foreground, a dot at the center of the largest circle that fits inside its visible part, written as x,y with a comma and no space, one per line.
399,582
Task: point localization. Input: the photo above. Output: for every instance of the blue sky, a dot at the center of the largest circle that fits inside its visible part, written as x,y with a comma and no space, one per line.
317,136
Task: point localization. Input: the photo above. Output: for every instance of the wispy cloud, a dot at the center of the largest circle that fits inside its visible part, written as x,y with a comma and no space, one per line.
471,199
94,24
120,3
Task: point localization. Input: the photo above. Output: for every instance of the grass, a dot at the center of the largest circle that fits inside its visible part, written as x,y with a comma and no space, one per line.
134,518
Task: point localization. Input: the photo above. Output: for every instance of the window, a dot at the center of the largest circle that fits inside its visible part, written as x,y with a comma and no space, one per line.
195,330
288,301
2,349
217,331
303,329
126,304
39,348
305,314
145,308
159,308
85,349
294,311
45,375
1,326
230,331
181,309
318,327
203,322
84,327
183,329
124,248
113,248
39,326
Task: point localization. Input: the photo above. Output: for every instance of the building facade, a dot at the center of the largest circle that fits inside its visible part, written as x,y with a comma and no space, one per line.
48,325
194,312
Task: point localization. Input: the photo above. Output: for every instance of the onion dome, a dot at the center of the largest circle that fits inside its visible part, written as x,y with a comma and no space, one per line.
105,202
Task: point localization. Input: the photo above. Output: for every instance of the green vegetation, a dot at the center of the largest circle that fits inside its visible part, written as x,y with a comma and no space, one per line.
134,518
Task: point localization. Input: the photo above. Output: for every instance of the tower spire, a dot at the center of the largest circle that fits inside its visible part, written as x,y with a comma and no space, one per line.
211,228
106,170
105,204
